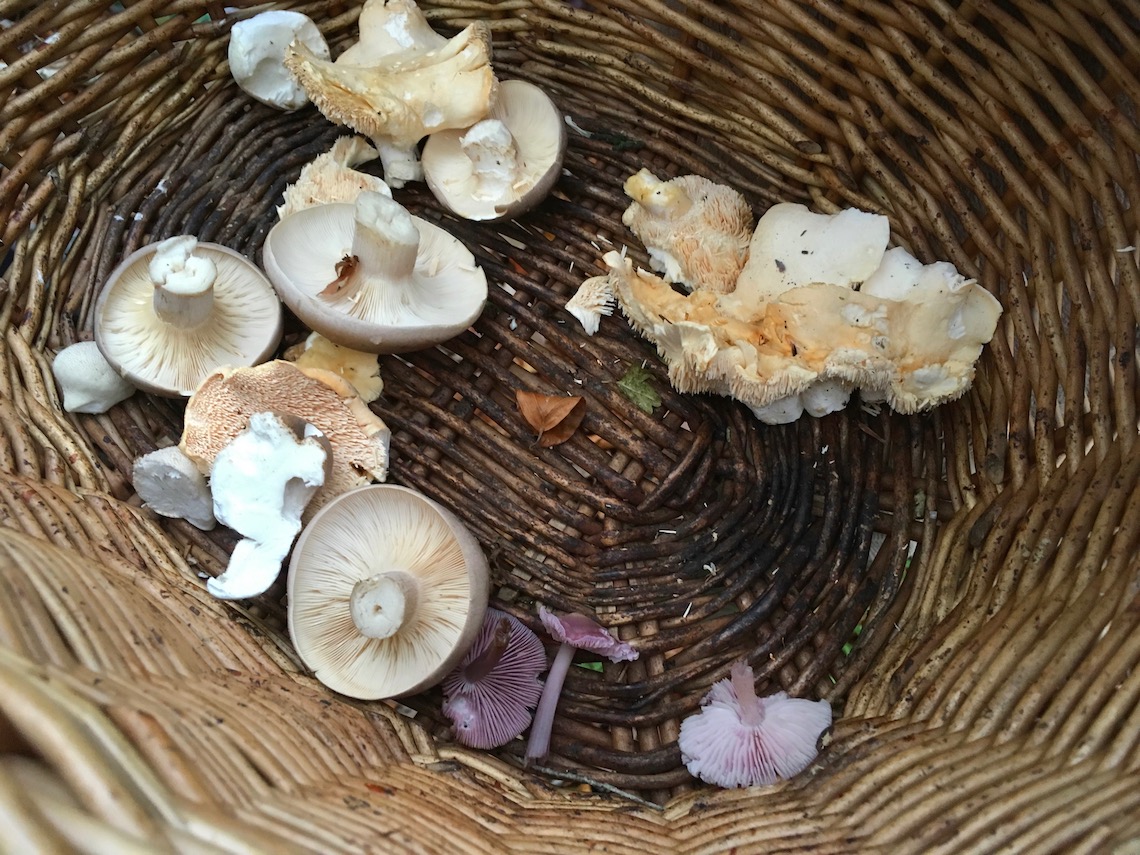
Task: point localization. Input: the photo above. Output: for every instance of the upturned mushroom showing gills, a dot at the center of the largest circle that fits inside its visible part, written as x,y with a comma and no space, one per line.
174,311
503,165
372,277
387,591
741,740
489,698
574,632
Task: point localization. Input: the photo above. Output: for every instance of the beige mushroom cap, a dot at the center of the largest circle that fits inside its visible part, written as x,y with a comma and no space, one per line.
214,308
387,591
222,405
697,232
389,28
404,284
503,165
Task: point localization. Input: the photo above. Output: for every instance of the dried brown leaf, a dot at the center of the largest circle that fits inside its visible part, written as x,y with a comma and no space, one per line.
344,269
555,417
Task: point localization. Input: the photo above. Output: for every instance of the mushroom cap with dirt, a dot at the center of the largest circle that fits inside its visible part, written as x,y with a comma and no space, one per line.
387,592
372,277
503,165
175,310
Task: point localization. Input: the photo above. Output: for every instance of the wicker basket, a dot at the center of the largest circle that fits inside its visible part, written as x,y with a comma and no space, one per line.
962,586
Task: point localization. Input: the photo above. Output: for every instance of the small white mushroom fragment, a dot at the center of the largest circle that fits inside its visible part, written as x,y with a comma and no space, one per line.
261,482
171,485
398,100
372,277
360,369
593,299
331,177
175,310
257,56
696,231
87,381
503,165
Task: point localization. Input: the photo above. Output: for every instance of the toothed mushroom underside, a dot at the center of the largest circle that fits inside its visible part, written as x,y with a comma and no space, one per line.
909,336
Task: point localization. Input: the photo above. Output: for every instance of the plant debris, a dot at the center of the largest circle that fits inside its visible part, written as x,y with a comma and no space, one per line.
636,385
555,417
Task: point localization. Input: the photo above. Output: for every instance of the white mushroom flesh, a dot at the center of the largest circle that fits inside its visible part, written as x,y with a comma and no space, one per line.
171,485
257,56
183,282
87,381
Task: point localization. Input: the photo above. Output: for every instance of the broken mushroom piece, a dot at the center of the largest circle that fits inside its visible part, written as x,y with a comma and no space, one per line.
261,482
593,299
330,177
387,591
372,277
574,632
360,369
696,231
223,404
398,100
174,311
87,381
256,55
490,697
171,485
740,740
503,165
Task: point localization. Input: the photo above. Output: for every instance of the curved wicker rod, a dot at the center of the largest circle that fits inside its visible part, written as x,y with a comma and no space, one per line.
1104,824
30,630
25,827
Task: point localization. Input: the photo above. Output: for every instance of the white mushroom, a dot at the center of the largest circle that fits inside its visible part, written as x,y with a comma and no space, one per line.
257,56
174,311
261,482
593,299
87,381
696,231
372,277
503,165
399,99
331,177
171,485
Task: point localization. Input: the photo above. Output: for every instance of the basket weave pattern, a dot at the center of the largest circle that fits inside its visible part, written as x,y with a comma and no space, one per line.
991,697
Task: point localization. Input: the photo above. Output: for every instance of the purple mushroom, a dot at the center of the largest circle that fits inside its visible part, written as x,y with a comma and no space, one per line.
490,695
740,740
575,632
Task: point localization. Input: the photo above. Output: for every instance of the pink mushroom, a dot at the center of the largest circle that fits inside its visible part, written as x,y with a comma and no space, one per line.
489,697
740,740
575,632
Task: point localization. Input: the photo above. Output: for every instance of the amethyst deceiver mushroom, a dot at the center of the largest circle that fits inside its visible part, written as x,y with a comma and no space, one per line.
574,632
741,740
490,696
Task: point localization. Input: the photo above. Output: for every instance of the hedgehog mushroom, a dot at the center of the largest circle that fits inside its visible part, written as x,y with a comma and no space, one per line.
331,177
399,99
696,231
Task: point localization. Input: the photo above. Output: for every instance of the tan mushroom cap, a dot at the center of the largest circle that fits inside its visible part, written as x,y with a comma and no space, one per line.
408,284
387,591
221,407
480,175
166,343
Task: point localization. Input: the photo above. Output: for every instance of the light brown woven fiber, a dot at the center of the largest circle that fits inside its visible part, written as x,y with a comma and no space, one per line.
989,552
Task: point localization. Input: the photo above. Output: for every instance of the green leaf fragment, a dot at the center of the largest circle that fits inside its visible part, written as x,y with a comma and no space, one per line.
636,384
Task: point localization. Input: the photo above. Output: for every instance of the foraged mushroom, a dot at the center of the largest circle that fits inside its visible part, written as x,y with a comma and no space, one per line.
740,740
573,632
360,369
330,177
87,381
398,100
387,591
261,482
257,56
390,28
174,311
503,165
171,485
490,696
223,404
372,277
593,299
696,231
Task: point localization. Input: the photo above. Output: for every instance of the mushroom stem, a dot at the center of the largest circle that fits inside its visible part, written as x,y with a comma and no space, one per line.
494,159
751,710
538,745
183,282
382,604
385,241
485,662
400,164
